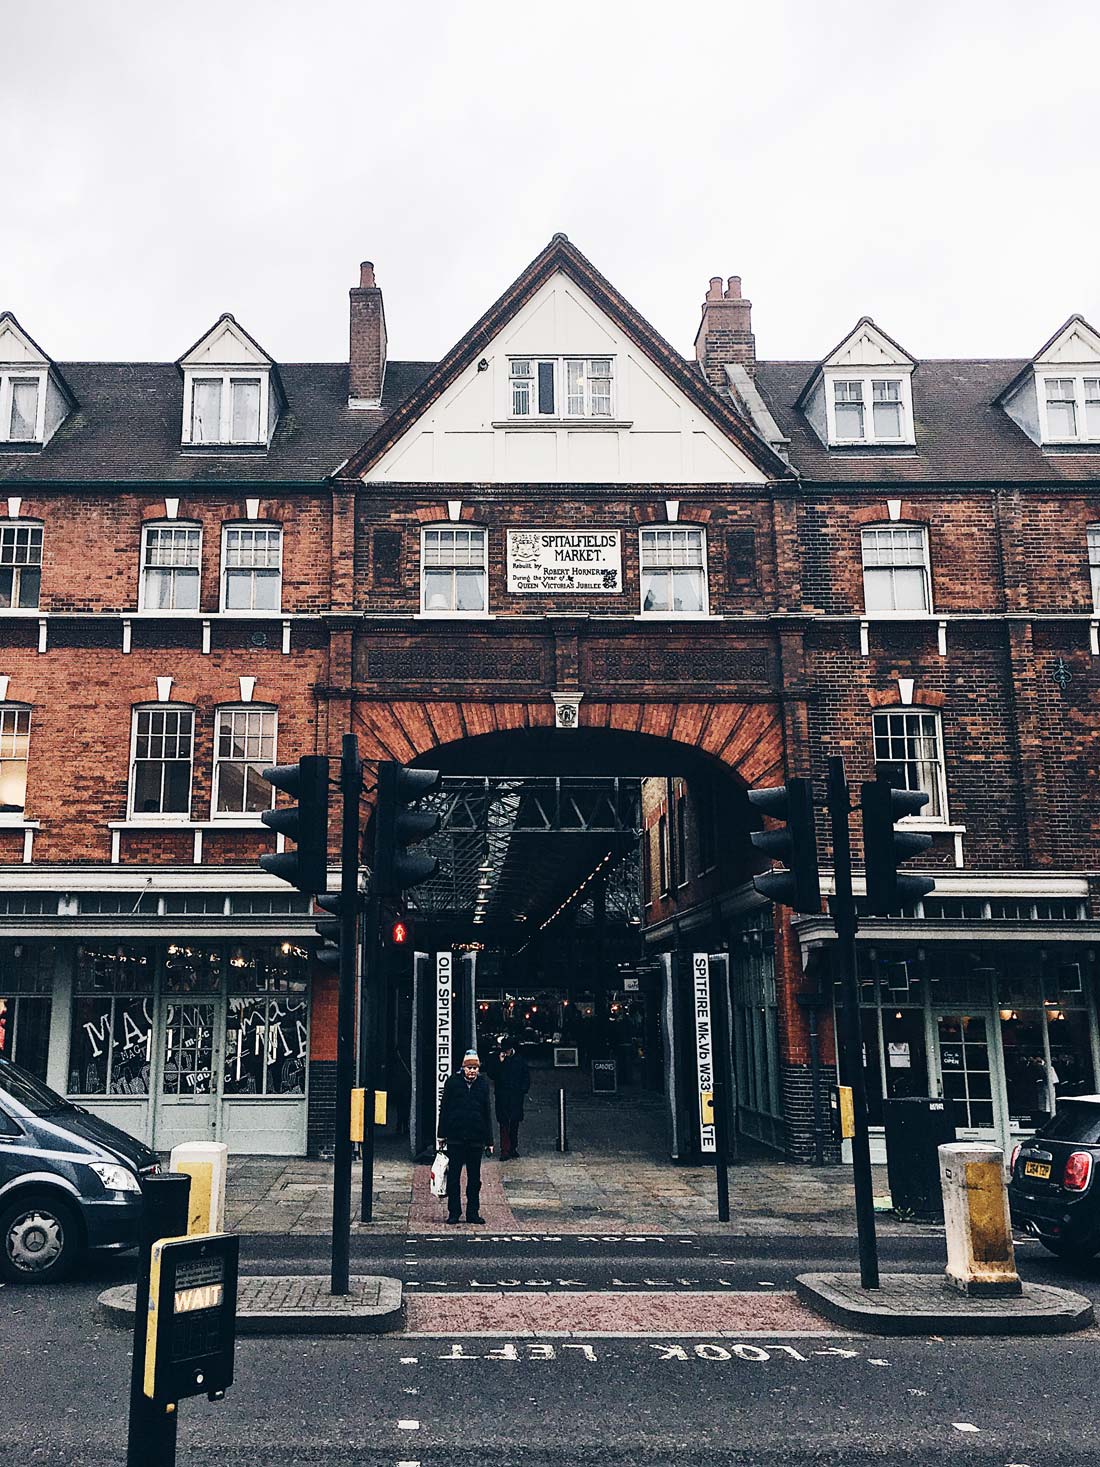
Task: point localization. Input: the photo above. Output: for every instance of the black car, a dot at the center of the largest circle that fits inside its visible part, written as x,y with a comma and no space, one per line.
1053,1192
68,1181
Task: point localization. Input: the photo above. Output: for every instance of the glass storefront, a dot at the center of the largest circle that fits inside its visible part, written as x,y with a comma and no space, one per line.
26,982
193,1040
1002,1031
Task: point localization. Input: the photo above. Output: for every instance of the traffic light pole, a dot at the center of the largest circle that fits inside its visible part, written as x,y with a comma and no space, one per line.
371,998
351,785
843,909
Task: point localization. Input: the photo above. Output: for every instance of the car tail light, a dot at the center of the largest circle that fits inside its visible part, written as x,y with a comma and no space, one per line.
1078,1171
1015,1154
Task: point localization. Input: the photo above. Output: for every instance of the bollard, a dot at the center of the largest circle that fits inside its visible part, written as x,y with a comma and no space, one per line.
563,1135
205,1162
980,1256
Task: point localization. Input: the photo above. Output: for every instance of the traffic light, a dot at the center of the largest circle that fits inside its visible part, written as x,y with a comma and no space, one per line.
888,890
799,886
328,930
397,829
399,932
305,823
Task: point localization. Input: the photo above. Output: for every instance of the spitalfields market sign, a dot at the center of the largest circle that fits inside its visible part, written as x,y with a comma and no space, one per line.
549,561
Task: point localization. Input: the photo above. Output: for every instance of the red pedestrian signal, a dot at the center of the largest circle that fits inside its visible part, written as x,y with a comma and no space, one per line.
399,933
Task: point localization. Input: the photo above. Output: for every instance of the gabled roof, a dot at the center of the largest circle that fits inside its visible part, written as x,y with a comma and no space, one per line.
865,328
251,353
9,324
1066,329
561,255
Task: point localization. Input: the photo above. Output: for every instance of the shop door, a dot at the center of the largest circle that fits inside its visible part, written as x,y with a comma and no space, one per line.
187,1105
968,1077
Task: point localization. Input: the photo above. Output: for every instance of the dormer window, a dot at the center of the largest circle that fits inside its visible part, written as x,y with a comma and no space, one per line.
22,407
552,387
1072,407
34,397
869,410
861,395
226,409
231,390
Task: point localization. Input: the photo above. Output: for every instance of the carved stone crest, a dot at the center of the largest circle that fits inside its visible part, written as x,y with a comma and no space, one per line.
566,709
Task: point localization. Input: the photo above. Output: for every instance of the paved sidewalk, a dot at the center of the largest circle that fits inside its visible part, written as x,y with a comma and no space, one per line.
574,1193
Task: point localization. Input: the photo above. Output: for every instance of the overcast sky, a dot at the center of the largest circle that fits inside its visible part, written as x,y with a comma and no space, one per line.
934,165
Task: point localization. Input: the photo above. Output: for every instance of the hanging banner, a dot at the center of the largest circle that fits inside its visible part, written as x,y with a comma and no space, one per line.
704,1050
444,1026
545,561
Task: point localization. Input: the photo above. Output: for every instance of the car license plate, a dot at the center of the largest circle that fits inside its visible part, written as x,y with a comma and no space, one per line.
1039,1169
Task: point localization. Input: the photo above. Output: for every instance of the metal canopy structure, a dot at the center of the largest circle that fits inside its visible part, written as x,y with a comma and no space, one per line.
514,849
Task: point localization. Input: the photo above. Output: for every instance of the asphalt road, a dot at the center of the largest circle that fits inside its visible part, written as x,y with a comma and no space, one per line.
828,1399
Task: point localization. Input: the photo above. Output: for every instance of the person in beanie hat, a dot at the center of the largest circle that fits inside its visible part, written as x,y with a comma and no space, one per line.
465,1124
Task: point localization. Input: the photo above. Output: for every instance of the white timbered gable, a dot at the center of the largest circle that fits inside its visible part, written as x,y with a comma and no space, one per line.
563,394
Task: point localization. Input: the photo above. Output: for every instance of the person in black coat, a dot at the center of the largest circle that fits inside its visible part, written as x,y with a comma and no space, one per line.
513,1081
465,1124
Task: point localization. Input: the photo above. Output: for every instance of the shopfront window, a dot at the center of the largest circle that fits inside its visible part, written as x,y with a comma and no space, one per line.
267,1025
112,1023
25,983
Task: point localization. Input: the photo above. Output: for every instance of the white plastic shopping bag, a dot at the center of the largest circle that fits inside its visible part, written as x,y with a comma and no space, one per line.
439,1174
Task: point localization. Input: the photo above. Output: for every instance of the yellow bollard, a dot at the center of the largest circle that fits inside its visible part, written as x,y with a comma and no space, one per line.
205,1163
980,1255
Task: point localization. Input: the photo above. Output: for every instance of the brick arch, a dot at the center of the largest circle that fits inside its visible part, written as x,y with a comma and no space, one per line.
746,737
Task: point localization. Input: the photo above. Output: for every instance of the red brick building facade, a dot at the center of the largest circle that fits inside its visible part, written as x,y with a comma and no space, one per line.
221,561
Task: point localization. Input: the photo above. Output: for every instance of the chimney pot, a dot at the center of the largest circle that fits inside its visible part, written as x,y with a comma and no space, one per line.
725,332
366,275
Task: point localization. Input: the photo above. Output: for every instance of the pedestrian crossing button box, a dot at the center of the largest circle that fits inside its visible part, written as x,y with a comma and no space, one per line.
192,1317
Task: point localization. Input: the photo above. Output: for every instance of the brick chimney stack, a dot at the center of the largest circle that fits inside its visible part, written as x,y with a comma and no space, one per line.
367,359
725,332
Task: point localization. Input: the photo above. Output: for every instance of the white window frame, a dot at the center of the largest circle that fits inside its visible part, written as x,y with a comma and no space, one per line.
427,531
643,567
559,366
159,817
226,376
897,528
8,377
936,766
229,710
866,381
17,567
223,575
16,710
1093,542
1081,396
146,528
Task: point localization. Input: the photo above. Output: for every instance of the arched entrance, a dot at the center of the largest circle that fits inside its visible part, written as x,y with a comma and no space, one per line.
537,916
